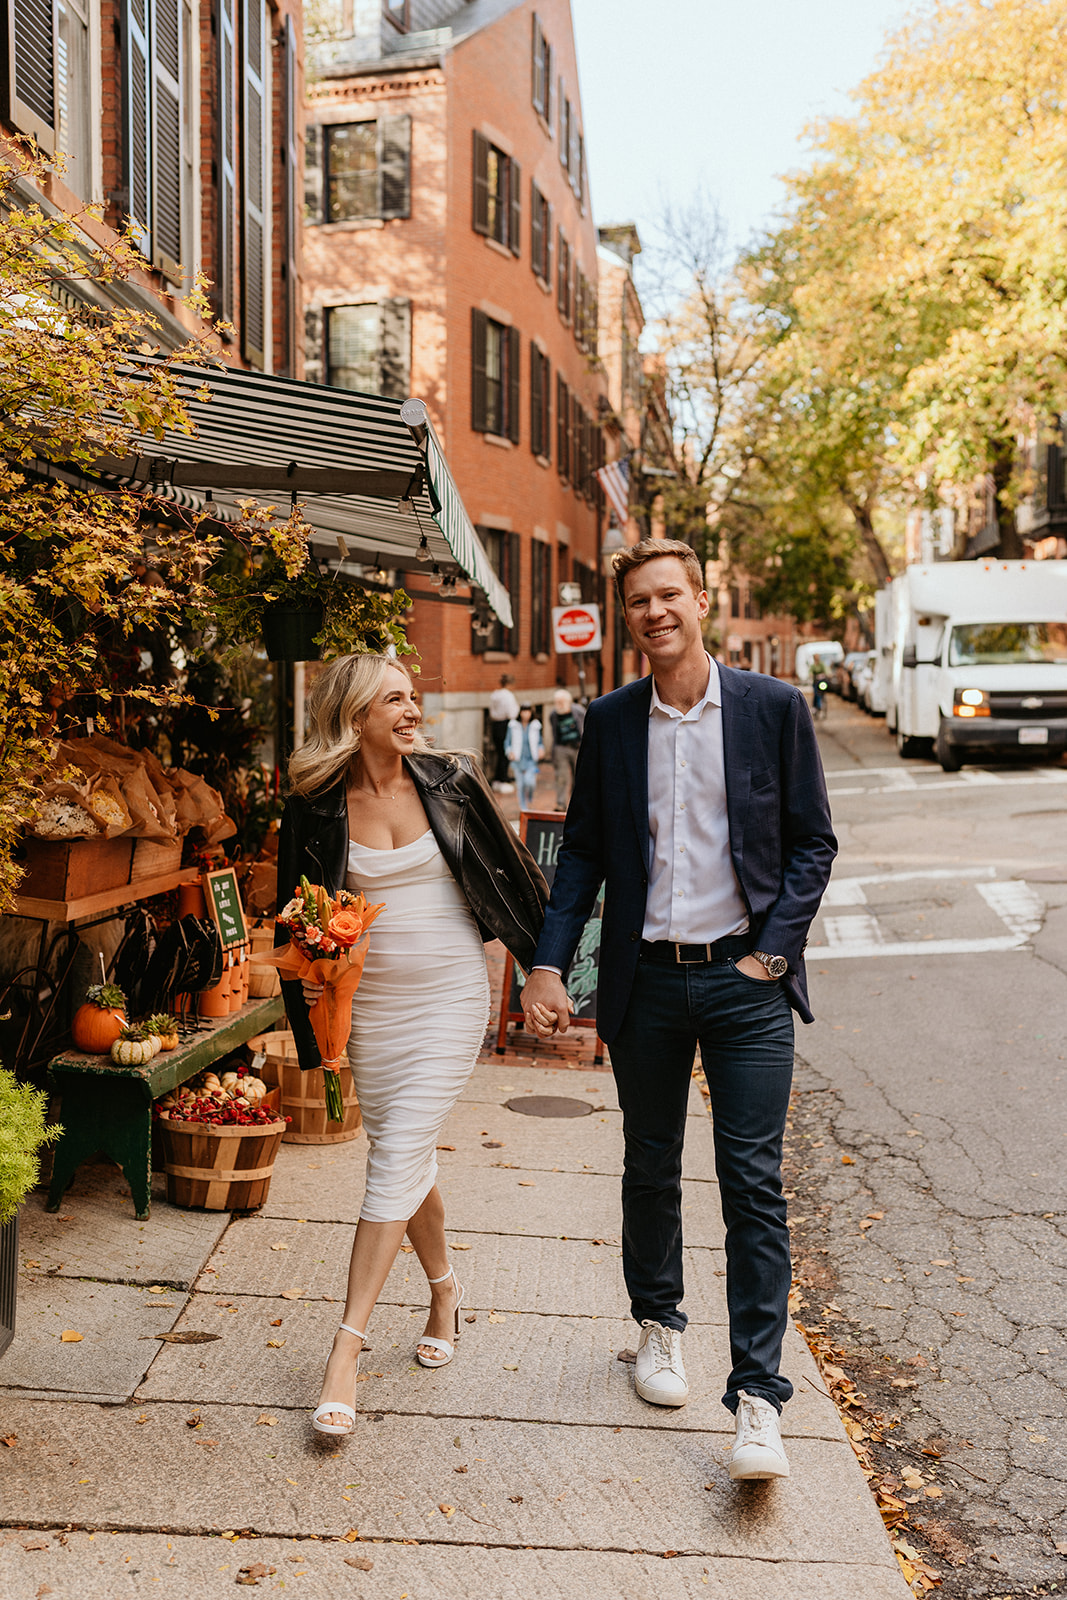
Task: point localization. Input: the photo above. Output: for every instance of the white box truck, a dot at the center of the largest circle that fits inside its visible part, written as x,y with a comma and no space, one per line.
977,659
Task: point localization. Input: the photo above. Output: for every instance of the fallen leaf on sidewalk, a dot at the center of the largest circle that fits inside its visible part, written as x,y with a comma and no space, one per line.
446,1147
352,1535
516,1499
266,1421
193,1421
11,1440
472,1318
459,1469
459,1247
494,1316
527,1183
70,1336
251,1575
291,1294
31,1263
275,1344
847,1161
276,1322
281,1245
629,1356
448,1511
360,1563
183,1336
35,1544
492,1144
43,1590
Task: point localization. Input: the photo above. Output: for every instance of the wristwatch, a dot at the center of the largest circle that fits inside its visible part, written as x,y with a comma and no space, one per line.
777,966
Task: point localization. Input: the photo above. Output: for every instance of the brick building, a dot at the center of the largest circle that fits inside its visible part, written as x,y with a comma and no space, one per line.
450,253
180,119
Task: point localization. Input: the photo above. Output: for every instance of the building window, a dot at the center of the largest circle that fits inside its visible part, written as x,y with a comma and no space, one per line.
505,555
540,597
540,402
543,72
495,375
358,171
735,601
563,429
398,13
565,116
73,79
564,289
497,198
586,312
540,236
368,348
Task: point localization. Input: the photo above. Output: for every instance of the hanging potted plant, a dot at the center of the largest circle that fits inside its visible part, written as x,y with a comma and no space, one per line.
23,1132
267,589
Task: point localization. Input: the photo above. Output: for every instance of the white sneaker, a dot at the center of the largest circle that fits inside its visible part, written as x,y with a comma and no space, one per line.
506,788
757,1451
659,1375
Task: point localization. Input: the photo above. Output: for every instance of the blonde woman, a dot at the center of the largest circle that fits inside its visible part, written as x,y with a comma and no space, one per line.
372,807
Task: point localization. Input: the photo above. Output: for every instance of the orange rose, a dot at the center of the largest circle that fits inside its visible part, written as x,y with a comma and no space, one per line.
345,927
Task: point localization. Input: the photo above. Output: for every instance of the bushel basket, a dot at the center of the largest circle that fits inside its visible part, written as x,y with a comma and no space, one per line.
219,1167
304,1094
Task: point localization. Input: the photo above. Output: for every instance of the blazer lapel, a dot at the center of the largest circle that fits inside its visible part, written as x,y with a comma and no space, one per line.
736,747
634,732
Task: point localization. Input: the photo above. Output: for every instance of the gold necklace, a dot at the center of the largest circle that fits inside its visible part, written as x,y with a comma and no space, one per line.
358,787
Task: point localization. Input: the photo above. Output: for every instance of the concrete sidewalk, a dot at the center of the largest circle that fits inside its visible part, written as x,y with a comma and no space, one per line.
527,1467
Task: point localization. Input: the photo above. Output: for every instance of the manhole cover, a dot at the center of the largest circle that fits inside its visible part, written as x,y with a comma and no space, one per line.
549,1105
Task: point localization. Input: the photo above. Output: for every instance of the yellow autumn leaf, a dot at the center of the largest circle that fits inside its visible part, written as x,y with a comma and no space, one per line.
70,1336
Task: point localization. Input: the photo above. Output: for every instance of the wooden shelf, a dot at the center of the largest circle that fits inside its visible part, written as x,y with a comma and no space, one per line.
91,905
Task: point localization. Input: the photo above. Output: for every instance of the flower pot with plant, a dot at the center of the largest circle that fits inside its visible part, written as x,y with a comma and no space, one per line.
23,1132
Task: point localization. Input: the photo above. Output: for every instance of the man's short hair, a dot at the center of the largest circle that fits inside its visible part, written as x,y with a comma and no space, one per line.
635,555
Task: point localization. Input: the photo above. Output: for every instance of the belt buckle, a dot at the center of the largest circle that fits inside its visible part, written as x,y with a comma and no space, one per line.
700,960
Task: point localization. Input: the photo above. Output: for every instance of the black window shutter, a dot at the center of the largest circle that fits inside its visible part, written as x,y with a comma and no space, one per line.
514,589
165,42
538,64
515,208
546,407
550,78
28,75
563,423
394,167
314,174
291,170
226,137
537,231
480,221
255,123
548,218
514,383
138,97
479,398
394,349
537,373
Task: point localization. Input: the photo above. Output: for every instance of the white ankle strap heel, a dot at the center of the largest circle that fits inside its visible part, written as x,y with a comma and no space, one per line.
447,1350
328,1407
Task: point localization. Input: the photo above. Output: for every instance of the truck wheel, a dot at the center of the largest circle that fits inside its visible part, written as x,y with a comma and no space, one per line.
908,748
948,758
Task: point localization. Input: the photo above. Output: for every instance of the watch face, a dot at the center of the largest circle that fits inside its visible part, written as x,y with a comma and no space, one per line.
778,966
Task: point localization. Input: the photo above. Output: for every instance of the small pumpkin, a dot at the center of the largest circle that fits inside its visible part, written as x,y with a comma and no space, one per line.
134,1048
165,1029
100,1021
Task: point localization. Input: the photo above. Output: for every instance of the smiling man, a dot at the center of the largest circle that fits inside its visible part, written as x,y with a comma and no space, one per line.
699,803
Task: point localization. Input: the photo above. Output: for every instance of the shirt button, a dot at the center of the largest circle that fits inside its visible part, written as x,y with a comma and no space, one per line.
682,763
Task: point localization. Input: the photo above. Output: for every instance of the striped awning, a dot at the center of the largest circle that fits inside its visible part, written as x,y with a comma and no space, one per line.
350,459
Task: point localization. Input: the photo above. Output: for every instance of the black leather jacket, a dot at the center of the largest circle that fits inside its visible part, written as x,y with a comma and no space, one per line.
503,884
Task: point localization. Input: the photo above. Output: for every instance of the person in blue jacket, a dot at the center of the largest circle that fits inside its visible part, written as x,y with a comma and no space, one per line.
699,804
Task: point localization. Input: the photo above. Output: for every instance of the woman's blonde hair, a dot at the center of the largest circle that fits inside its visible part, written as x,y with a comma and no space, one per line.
336,710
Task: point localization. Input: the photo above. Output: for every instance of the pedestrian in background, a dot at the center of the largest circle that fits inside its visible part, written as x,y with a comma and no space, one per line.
524,750
503,708
699,803
566,721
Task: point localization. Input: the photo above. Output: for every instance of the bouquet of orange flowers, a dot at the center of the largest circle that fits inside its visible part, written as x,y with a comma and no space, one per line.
328,938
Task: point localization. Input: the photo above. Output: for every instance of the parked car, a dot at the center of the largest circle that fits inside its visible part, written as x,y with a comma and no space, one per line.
863,679
842,679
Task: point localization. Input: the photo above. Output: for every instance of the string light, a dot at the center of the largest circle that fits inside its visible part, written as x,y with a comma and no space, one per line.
423,552
436,577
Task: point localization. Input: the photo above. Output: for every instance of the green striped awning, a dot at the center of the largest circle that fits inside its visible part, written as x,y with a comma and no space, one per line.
349,458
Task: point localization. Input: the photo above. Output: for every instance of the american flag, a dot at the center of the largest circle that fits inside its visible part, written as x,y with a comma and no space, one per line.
615,482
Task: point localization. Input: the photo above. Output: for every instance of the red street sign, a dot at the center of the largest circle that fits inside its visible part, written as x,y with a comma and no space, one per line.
576,628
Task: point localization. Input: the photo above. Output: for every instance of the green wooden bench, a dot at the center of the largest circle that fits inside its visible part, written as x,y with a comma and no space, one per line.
109,1108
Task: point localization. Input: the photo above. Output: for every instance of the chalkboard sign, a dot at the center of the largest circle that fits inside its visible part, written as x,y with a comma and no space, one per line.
224,907
542,832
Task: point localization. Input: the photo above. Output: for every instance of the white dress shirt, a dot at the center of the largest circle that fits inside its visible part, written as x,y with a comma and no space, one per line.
693,893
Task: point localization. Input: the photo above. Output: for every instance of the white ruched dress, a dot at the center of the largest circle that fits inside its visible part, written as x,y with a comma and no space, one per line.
418,1017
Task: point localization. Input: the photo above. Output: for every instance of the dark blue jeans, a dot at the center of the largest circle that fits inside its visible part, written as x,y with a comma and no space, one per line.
744,1027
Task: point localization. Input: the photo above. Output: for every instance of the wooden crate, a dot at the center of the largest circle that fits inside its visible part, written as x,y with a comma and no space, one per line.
153,857
70,869
219,1168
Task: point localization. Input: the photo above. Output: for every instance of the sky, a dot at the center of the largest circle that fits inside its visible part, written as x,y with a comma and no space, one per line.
683,96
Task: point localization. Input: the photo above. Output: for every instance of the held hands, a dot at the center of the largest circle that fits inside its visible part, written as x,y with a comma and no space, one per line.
546,1005
313,991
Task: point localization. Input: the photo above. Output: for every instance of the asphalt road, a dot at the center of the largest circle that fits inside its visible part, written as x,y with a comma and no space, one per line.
928,1151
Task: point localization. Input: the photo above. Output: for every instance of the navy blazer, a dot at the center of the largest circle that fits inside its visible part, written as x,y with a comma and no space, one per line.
781,839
